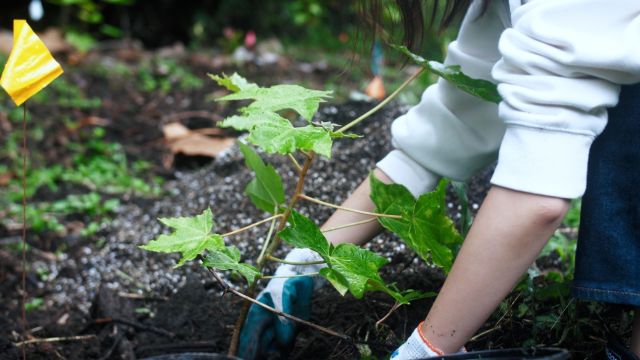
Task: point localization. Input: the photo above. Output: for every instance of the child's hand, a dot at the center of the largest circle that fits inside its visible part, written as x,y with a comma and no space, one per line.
264,332
418,346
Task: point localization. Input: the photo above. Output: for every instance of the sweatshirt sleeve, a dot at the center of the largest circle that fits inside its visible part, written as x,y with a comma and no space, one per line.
451,133
561,66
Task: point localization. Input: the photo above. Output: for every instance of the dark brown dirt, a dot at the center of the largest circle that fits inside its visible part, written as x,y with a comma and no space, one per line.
135,304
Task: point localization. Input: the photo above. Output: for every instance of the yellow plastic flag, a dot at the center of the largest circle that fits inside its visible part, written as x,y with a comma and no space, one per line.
30,66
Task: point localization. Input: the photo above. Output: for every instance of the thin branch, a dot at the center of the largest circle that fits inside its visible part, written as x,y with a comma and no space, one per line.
561,313
301,263
270,247
267,240
142,297
296,195
395,307
497,324
383,102
295,162
228,288
350,224
25,154
317,201
251,225
288,276
55,339
135,325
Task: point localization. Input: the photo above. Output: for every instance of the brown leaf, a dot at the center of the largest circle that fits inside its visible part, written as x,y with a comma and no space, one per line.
55,41
174,131
6,42
201,145
191,143
5,178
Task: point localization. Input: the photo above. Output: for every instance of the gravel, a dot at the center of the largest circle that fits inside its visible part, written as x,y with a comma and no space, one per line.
119,264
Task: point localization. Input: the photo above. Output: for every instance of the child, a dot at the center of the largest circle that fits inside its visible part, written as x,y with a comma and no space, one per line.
559,65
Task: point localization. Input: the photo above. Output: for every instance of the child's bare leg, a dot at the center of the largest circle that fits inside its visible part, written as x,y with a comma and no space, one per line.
635,334
508,233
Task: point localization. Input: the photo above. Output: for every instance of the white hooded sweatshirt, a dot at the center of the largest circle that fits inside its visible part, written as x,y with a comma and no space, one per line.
558,64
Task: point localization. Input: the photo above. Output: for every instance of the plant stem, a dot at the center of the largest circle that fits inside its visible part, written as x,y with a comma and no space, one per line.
308,198
302,263
55,339
25,154
267,240
251,300
295,162
252,225
350,224
383,102
288,276
395,307
283,220
269,245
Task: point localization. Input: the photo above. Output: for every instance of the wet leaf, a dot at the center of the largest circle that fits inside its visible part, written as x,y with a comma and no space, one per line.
274,133
350,267
250,118
412,295
483,89
228,258
233,83
265,190
336,279
191,237
279,97
424,226
304,233
285,139
358,266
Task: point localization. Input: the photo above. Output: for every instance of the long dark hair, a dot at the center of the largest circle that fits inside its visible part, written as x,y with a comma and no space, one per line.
416,17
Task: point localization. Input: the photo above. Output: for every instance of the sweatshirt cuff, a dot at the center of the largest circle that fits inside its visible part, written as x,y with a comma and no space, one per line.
543,162
405,171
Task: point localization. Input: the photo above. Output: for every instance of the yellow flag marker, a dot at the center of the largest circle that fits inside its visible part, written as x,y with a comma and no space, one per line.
30,66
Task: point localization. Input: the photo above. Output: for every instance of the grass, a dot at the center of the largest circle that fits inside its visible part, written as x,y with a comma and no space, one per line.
82,184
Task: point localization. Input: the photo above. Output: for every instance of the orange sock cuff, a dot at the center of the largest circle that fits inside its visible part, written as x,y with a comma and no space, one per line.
427,342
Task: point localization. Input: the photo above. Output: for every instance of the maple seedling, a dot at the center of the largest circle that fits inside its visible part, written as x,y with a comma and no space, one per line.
421,223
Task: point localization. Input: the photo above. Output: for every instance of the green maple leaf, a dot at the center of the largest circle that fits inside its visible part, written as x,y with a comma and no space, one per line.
359,267
279,97
336,279
285,138
191,237
483,89
350,268
250,118
304,233
228,258
265,190
275,134
424,226
269,130
233,83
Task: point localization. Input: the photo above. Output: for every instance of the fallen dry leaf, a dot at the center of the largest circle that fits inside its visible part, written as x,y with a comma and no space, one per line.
52,38
193,142
5,178
201,145
174,131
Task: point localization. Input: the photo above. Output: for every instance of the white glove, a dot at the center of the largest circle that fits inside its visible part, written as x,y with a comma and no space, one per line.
275,287
416,348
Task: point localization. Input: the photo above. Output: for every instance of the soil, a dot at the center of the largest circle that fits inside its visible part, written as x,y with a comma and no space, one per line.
133,303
